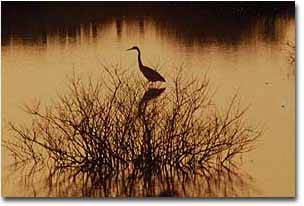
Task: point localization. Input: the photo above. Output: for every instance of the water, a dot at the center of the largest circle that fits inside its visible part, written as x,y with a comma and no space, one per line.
245,54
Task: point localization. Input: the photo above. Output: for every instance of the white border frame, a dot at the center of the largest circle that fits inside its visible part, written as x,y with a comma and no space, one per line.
217,202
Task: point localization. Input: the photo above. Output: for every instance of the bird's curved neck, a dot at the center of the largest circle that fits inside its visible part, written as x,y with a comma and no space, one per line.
139,59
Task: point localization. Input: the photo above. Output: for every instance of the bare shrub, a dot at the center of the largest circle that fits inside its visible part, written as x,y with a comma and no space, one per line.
116,135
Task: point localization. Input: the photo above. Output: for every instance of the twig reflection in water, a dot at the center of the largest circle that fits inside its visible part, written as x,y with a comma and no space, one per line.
97,142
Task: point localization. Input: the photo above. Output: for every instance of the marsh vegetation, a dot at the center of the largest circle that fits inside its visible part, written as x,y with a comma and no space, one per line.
117,136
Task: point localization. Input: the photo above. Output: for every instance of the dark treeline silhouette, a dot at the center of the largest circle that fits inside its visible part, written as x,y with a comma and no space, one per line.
183,9
222,21
116,137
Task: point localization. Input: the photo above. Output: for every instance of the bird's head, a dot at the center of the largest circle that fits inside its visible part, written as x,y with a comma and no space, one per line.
133,48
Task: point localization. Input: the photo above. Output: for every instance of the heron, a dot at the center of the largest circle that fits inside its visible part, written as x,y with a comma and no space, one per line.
150,74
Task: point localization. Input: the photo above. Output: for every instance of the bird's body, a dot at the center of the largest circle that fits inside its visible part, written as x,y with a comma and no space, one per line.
150,74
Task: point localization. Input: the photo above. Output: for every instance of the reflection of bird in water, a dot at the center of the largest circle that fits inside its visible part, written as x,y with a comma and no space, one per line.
150,74
150,94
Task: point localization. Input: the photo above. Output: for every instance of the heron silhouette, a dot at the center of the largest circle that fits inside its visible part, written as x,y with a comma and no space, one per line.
150,74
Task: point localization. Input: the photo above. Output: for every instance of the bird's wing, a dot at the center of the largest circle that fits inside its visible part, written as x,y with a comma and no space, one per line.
151,74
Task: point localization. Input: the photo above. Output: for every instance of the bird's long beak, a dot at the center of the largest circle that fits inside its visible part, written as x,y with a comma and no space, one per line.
129,49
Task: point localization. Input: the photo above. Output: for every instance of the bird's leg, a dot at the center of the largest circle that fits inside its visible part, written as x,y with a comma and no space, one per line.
147,84
155,84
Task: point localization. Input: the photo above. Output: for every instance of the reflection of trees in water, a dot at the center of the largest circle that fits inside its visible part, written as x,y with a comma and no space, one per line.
111,138
189,22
